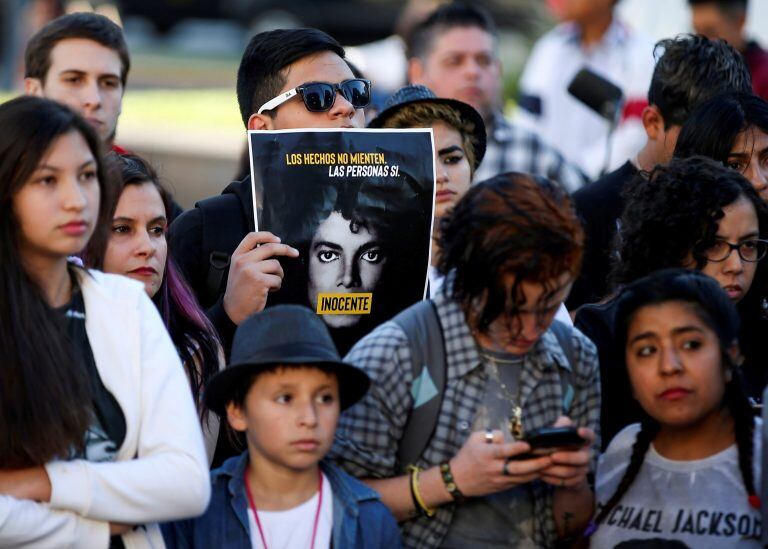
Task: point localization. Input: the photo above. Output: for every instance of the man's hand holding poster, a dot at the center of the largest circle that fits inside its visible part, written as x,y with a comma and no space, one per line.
358,205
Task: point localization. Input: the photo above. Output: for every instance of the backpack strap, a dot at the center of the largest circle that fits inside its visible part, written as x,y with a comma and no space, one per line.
564,334
222,233
428,362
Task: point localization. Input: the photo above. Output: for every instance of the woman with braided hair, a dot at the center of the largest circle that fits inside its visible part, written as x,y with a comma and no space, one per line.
697,214
686,472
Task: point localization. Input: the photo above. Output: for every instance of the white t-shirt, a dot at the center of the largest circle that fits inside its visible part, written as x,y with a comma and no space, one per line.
624,57
700,503
292,528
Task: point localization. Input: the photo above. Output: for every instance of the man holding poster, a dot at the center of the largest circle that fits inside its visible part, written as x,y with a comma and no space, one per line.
357,205
294,78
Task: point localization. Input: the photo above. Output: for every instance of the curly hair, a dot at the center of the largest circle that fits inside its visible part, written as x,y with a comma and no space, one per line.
672,215
398,211
510,224
423,115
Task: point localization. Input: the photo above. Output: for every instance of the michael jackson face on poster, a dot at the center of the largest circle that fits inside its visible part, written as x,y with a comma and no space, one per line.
358,206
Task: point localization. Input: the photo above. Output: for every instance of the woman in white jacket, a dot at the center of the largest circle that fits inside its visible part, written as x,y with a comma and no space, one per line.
98,431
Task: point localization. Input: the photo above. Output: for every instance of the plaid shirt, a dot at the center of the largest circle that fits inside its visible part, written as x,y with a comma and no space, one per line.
368,433
514,149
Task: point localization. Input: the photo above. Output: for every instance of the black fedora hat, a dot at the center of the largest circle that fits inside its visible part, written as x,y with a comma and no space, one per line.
408,95
283,334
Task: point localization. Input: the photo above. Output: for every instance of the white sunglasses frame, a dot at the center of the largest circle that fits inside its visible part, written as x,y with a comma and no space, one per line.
285,96
279,100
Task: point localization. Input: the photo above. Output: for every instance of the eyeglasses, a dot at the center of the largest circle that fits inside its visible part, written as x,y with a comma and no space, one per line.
748,250
320,96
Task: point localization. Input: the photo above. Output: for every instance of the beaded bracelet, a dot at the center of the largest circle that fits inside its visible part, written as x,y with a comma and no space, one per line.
450,483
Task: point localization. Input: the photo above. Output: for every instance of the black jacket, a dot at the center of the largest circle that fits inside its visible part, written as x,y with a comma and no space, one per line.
186,242
599,207
618,408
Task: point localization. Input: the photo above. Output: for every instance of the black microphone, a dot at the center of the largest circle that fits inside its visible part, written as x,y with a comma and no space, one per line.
597,93
602,96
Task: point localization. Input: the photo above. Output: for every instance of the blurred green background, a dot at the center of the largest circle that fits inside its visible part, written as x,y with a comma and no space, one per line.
180,109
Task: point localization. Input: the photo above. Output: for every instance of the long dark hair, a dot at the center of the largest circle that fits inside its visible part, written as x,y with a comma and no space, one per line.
190,330
713,127
45,400
714,309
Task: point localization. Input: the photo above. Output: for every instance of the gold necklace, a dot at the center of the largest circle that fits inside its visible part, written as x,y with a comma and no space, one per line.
515,420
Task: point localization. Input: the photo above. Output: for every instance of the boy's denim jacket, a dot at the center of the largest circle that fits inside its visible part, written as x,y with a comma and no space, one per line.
359,517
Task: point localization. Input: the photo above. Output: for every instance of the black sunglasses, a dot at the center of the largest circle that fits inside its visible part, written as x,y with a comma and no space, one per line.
320,96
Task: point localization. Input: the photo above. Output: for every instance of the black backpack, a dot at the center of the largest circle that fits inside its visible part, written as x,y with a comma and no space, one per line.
222,232
426,340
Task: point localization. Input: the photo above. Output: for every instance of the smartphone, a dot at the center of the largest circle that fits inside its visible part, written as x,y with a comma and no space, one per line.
547,440
554,438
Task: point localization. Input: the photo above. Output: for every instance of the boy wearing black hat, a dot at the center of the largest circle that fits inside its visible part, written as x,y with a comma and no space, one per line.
284,389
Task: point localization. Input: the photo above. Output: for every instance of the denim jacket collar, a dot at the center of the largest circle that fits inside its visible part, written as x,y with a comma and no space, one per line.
346,495
235,469
346,509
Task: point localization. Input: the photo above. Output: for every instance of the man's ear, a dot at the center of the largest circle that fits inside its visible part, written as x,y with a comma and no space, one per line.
236,417
33,86
653,122
415,73
261,122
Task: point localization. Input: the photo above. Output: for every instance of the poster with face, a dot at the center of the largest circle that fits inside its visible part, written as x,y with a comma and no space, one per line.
358,205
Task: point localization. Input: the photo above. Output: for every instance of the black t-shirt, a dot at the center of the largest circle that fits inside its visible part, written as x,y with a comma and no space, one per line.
107,430
599,206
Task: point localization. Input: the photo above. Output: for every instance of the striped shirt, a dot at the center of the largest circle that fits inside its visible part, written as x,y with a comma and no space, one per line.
511,148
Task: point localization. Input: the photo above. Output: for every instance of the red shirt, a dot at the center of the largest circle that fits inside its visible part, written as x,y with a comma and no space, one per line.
757,61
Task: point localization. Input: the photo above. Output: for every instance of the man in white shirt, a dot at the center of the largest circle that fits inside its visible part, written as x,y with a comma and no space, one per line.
589,36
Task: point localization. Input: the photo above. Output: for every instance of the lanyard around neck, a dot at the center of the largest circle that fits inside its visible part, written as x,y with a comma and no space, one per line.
256,513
